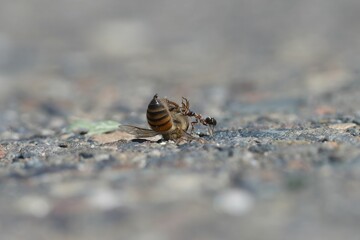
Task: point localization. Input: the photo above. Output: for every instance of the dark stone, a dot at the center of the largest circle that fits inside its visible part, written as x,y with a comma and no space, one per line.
86,155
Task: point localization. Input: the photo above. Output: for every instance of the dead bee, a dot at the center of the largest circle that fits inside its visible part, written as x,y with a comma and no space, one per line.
168,119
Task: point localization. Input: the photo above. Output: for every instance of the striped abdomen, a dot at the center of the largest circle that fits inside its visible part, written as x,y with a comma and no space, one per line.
158,116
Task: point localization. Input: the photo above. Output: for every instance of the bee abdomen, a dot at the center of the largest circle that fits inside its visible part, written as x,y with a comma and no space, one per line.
158,116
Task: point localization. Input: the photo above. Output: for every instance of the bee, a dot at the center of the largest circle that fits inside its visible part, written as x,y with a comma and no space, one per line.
168,119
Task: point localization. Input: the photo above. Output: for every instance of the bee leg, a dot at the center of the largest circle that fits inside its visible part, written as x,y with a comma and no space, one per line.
185,106
193,124
185,102
172,105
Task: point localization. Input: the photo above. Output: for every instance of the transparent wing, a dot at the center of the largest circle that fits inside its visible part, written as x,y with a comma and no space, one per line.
138,132
192,138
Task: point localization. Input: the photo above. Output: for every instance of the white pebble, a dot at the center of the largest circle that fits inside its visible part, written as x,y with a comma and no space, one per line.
34,205
234,202
104,199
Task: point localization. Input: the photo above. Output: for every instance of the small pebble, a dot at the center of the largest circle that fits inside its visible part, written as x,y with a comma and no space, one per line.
102,157
104,199
63,145
34,205
86,155
234,202
342,126
2,152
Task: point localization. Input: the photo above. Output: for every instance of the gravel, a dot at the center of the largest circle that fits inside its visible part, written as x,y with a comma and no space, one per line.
283,163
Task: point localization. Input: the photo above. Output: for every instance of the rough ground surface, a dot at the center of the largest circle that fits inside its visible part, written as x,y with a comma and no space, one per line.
282,80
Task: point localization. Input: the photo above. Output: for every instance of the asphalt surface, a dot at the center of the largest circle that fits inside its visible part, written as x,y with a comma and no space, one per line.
281,79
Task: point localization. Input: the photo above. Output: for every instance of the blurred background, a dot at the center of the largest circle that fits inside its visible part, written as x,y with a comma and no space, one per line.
67,49
253,65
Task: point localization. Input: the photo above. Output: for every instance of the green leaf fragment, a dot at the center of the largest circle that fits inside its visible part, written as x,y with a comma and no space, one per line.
93,128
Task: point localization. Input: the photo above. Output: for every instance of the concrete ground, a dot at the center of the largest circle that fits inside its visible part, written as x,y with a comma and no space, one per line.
281,78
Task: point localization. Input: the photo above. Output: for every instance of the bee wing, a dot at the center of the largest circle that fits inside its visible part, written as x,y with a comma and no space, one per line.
137,131
190,137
